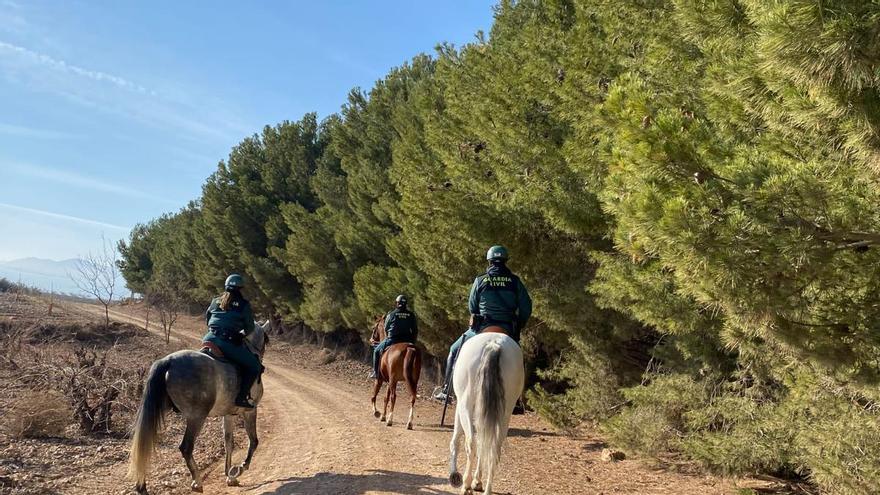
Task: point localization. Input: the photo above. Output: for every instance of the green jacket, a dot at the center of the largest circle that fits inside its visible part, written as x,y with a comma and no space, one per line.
499,296
228,324
401,326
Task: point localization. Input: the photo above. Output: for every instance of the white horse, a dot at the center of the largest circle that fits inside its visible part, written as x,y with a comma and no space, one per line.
488,379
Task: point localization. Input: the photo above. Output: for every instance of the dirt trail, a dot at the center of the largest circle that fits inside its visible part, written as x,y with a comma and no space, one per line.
318,436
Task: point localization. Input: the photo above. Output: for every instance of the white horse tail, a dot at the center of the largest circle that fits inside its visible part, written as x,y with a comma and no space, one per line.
489,408
154,405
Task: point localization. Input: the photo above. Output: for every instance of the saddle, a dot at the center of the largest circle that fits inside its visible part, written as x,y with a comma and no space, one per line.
212,350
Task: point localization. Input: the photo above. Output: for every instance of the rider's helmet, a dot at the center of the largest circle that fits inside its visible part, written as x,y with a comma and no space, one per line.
234,281
400,301
497,253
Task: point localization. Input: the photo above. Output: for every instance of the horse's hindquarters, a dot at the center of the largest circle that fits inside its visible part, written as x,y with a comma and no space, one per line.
488,379
199,385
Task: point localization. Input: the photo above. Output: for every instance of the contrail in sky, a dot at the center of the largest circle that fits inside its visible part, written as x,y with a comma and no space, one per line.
61,216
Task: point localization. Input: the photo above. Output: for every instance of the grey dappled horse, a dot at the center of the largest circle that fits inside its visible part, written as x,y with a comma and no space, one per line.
198,386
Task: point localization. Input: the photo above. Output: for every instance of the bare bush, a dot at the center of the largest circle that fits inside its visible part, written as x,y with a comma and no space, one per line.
93,390
96,275
167,295
37,414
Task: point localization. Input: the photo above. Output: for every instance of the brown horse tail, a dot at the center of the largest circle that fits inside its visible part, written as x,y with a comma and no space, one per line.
149,420
412,367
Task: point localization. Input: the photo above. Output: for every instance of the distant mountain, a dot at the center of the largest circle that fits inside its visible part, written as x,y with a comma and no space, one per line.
46,275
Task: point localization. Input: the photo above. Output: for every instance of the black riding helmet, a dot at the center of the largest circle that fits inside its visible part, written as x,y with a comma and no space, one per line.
400,301
497,254
234,282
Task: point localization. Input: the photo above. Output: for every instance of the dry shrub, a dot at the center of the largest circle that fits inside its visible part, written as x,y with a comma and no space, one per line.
326,356
37,414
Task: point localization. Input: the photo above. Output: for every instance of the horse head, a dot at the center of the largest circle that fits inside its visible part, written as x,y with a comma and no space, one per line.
259,338
378,334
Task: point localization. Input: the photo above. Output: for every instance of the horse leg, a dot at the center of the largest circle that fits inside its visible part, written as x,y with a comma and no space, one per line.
250,426
412,380
229,444
376,387
454,475
387,398
478,475
393,389
471,454
412,407
187,445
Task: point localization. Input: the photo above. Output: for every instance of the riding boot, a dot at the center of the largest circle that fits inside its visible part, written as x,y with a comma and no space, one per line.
450,365
377,352
247,381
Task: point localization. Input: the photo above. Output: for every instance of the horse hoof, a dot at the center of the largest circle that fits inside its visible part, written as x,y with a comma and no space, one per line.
382,419
376,414
388,423
235,471
196,487
409,426
231,481
478,487
455,479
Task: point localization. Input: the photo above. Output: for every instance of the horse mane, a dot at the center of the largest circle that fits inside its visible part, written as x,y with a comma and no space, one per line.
378,329
257,340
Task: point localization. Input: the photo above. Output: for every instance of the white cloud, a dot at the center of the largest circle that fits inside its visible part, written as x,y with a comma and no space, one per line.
197,118
83,181
61,216
61,65
30,132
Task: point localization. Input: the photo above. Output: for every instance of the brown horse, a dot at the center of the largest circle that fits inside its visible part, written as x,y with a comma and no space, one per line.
400,362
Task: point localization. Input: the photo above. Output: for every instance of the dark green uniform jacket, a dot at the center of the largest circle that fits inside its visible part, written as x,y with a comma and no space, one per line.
401,326
228,324
501,299
225,332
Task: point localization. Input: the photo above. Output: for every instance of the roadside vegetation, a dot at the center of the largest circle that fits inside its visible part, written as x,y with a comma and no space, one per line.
70,386
689,189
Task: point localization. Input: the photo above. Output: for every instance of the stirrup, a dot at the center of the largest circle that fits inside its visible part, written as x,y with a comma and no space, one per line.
244,402
440,393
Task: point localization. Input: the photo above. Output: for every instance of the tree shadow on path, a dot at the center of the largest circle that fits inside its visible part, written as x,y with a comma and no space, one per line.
354,484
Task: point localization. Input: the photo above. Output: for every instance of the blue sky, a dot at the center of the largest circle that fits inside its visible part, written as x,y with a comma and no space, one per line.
112,113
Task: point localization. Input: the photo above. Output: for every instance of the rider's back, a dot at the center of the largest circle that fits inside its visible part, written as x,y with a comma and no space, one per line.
232,319
401,325
499,296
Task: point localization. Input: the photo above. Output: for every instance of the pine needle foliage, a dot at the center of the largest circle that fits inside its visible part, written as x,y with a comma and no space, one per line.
689,188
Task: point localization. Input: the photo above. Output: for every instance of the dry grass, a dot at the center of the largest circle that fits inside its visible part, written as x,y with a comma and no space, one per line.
37,414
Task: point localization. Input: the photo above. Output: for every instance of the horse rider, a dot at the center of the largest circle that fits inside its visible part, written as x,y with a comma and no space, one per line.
400,326
230,319
497,298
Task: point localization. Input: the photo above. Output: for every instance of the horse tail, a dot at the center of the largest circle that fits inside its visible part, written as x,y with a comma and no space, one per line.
412,367
489,407
149,420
